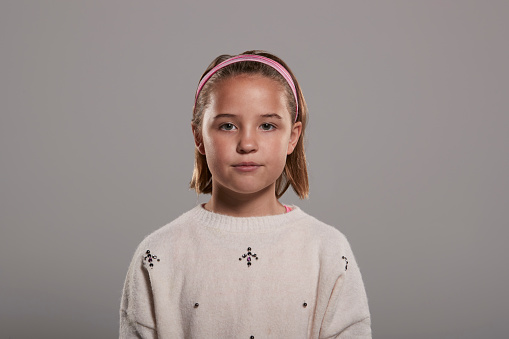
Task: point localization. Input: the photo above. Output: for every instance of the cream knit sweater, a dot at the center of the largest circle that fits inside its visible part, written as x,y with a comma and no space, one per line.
207,275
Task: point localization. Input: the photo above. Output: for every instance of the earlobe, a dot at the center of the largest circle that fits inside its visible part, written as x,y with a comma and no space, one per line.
294,137
198,140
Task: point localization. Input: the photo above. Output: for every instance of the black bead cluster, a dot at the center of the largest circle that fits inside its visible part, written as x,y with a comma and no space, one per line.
346,260
150,258
249,256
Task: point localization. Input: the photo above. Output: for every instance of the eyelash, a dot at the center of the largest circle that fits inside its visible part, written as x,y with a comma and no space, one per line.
222,127
266,124
271,126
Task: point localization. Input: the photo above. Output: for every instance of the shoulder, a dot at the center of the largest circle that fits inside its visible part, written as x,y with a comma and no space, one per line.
321,232
165,237
330,243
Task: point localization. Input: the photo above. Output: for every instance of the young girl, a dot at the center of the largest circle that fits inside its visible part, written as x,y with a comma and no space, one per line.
243,265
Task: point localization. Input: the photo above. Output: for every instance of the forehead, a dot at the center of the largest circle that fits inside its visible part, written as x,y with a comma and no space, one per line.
248,92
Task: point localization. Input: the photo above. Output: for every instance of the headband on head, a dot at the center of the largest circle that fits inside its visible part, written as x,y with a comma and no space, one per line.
257,58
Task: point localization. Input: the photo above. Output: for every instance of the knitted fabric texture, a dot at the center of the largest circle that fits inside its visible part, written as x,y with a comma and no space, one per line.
207,275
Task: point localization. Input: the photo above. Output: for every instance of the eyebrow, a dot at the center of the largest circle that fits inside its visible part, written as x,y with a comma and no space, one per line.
224,115
272,115
268,115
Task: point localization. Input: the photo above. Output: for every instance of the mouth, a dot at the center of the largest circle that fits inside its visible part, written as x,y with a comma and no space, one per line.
246,166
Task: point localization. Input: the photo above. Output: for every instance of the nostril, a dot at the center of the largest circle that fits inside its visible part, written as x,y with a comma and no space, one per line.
246,147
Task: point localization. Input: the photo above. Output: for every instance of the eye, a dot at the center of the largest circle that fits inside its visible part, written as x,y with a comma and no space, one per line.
267,127
227,127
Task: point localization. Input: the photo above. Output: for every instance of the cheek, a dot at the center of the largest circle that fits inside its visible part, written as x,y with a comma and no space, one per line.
279,151
283,144
216,148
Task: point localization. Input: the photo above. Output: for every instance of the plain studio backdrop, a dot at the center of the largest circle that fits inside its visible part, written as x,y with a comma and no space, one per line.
407,148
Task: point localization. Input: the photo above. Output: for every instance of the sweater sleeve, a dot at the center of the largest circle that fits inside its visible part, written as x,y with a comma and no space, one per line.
347,314
137,318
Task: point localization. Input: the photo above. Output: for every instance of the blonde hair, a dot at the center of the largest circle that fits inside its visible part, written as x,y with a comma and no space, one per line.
295,171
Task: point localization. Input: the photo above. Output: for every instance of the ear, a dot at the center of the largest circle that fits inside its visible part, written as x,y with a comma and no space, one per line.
294,136
198,141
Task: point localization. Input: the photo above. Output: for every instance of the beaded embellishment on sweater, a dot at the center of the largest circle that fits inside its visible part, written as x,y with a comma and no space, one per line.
150,258
346,262
249,255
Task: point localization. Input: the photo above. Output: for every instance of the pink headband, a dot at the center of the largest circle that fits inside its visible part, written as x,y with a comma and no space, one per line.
250,57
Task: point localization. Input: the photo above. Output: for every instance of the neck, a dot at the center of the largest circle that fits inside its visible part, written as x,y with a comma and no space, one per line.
235,204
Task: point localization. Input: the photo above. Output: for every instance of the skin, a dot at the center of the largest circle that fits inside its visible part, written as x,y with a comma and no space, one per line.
246,134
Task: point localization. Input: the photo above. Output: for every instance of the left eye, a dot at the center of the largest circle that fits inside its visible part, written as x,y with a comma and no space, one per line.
228,127
267,127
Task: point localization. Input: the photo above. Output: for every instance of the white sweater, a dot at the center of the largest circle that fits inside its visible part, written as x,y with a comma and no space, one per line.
207,275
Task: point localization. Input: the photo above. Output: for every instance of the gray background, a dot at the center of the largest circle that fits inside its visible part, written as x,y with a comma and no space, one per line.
407,149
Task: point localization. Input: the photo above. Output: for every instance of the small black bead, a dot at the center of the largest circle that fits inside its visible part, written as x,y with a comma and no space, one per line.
305,304
240,258
252,337
148,251
158,259
249,248
256,258
248,253
151,265
248,264
196,305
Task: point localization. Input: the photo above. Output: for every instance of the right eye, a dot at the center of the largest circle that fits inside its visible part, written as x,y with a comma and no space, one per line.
227,127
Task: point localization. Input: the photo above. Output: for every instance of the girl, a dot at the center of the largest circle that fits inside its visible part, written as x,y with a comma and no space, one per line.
243,265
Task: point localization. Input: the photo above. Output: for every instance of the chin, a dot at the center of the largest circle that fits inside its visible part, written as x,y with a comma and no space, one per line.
245,188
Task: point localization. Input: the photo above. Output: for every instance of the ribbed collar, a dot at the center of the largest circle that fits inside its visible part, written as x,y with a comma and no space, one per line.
246,224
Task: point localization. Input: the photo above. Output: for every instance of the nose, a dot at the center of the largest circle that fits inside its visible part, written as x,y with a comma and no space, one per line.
247,142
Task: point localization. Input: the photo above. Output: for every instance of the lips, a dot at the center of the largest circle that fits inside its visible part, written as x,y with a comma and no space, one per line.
247,166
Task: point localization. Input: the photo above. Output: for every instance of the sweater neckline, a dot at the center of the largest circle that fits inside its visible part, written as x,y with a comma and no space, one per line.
229,223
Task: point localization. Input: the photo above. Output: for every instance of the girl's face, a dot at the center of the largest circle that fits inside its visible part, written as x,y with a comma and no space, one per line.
246,134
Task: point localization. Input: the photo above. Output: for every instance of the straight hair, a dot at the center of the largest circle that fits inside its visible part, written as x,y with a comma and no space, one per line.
295,172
